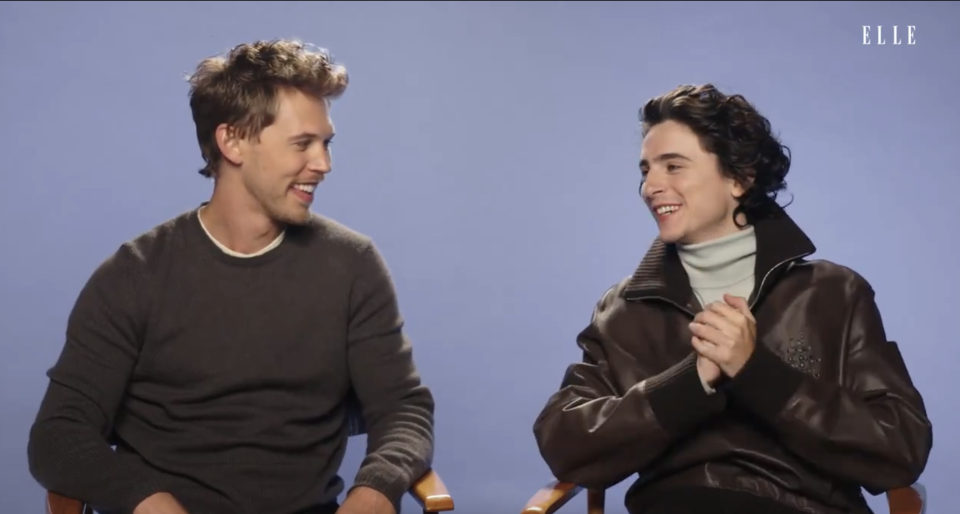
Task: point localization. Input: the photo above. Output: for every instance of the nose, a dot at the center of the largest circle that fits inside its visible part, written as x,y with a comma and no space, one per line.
320,163
650,187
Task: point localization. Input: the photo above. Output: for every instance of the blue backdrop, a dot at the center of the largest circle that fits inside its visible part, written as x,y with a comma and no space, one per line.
491,150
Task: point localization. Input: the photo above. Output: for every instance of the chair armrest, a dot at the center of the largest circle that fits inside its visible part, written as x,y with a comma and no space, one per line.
550,498
431,494
906,500
57,504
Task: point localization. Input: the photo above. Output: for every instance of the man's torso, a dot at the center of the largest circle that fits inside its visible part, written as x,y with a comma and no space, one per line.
237,392
802,319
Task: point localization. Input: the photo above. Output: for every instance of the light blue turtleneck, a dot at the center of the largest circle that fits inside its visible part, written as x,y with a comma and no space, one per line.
724,265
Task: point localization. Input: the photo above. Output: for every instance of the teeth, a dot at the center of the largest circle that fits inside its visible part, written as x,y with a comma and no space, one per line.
307,188
666,209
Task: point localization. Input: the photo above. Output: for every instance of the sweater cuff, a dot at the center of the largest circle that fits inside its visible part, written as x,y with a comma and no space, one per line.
678,397
137,491
765,383
384,479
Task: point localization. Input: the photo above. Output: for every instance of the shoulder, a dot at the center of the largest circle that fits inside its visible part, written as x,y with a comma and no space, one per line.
346,248
822,269
334,235
122,280
353,255
612,299
831,275
140,255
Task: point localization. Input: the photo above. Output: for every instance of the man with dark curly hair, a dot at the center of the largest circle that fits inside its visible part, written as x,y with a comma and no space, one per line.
728,371
218,350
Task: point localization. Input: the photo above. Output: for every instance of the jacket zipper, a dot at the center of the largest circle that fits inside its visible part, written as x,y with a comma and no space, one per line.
789,261
671,302
752,303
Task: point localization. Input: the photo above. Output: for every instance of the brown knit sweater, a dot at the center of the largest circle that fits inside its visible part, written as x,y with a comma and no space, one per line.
221,379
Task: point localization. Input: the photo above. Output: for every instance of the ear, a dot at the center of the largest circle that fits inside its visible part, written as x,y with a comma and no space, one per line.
739,188
230,144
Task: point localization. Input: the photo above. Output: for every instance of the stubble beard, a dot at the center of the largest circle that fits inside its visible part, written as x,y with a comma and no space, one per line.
284,213
280,208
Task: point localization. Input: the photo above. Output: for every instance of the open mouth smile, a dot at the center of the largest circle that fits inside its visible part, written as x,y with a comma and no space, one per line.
304,191
665,211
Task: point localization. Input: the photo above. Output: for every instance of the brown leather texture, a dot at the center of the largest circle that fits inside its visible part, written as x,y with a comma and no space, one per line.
823,407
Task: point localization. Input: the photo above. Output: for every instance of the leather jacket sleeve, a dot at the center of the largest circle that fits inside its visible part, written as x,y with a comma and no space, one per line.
594,434
871,430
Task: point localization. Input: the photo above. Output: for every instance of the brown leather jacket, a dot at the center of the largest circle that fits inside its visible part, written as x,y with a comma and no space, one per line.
824,406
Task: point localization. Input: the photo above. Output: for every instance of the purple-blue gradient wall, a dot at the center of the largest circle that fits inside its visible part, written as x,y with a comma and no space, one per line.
491,150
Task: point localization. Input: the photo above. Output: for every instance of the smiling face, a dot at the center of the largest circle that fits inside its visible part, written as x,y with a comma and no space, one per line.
281,167
690,198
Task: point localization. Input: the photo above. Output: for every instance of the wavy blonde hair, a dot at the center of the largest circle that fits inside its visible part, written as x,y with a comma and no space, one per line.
241,88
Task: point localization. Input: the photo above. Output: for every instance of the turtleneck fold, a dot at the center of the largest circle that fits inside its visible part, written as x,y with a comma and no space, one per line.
723,265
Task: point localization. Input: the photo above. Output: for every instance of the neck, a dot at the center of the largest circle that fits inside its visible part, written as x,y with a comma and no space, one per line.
237,222
721,262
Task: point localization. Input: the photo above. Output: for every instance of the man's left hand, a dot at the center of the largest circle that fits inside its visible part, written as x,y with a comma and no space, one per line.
730,327
364,500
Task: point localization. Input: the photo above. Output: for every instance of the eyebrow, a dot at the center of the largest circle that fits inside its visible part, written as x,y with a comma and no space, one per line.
309,135
665,157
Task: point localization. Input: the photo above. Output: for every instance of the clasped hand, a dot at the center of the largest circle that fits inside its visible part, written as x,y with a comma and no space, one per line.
725,334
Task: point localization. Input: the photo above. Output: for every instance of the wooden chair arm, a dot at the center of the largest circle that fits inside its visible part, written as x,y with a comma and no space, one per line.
429,491
906,500
550,498
57,504
431,494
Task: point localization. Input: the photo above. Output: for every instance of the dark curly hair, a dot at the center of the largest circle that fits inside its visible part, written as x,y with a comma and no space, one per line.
732,129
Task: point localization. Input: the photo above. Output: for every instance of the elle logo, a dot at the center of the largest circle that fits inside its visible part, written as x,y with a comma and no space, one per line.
911,35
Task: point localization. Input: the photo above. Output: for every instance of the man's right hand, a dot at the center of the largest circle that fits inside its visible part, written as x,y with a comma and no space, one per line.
708,370
160,503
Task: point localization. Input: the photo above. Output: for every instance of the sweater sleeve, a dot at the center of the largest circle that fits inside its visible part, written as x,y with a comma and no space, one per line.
68,449
397,408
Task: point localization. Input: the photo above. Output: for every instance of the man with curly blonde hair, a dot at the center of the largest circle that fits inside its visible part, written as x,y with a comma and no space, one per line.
217,350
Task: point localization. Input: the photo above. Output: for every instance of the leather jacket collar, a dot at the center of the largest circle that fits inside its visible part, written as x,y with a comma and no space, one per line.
661,276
